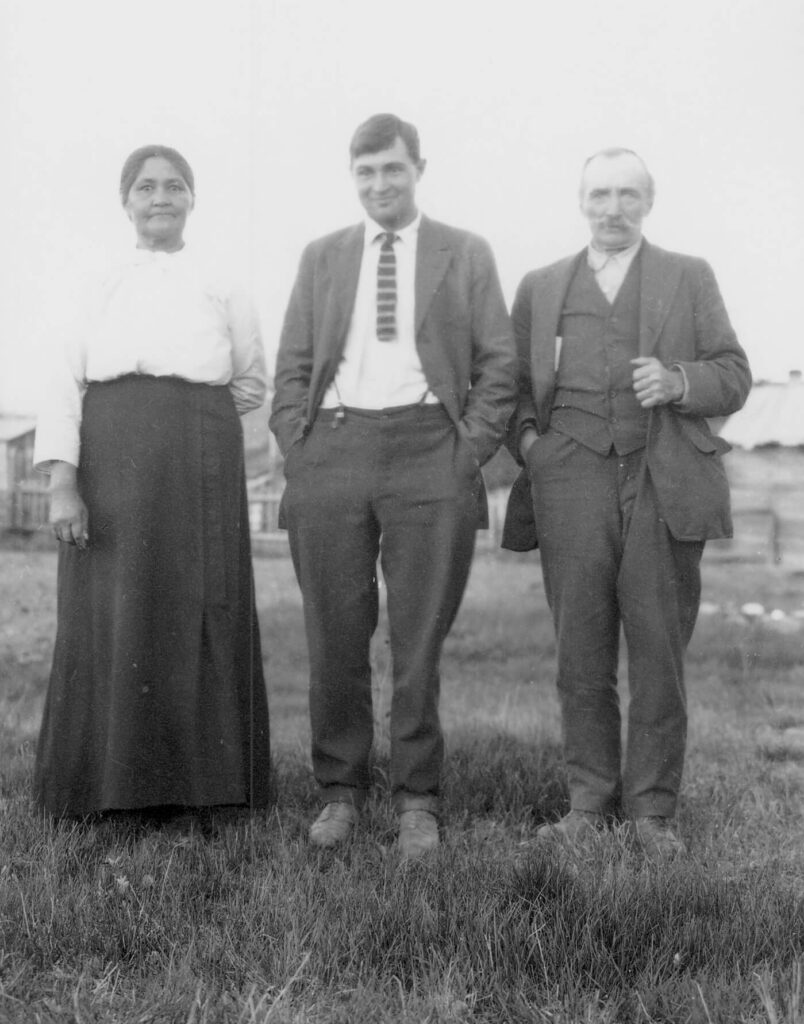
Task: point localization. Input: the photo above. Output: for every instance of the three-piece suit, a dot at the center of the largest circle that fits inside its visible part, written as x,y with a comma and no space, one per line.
620,500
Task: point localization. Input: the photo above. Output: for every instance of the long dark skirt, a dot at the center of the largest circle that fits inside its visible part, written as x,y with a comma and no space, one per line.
156,693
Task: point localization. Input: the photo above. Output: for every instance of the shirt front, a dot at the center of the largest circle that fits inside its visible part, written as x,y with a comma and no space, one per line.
610,268
157,313
376,374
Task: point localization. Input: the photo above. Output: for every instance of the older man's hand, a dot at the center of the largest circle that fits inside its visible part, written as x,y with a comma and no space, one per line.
654,384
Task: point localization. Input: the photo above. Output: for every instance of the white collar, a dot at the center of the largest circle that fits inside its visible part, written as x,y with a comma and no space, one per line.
597,259
144,256
407,234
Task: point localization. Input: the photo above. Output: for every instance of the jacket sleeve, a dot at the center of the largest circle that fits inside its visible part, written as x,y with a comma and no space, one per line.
294,361
490,401
719,377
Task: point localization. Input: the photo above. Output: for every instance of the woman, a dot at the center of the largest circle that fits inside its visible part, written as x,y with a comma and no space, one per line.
156,696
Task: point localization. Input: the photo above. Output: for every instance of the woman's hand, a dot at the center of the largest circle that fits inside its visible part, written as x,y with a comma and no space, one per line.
68,513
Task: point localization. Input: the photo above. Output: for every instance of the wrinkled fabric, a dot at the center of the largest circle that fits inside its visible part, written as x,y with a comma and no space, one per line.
156,693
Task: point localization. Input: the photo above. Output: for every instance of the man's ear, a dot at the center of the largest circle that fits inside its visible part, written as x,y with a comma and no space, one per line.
420,166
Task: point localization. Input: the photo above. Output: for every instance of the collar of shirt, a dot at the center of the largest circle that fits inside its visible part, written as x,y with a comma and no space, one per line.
146,257
407,234
597,259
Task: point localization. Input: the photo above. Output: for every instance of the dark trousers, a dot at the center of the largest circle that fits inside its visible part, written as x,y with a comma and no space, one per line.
609,561
402,485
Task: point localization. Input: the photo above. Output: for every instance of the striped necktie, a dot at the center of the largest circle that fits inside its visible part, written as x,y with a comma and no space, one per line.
386,288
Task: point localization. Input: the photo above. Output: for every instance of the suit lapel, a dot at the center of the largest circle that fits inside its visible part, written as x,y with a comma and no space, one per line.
335,311
344,267
433,255
660,279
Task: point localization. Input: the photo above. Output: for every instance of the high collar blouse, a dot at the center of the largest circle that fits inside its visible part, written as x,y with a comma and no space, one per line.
163,314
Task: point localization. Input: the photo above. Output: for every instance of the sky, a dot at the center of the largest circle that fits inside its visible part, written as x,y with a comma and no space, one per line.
509,97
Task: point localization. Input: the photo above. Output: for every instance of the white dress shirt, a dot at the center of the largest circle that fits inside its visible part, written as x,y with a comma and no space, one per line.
377,374
156,313
610,268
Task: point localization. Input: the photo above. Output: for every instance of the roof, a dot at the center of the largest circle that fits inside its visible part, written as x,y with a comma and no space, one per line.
772,414
12,427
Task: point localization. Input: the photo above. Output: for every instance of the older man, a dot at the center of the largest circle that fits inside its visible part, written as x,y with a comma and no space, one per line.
394,382
624,350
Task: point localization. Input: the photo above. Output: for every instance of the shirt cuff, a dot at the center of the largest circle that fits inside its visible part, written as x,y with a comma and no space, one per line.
683,400
55,446
526,425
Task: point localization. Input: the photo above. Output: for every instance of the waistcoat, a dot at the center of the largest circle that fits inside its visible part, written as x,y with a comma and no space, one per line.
594,401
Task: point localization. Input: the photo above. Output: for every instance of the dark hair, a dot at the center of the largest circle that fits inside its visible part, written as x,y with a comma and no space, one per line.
380,132
133,166
615,151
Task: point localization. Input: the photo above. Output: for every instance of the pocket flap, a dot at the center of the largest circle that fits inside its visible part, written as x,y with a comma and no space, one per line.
704,441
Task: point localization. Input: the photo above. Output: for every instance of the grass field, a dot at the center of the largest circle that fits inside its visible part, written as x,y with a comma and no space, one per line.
245,923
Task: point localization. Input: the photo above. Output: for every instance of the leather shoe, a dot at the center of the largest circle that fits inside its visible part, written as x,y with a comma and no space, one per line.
418,834
658,838
574,827
334,824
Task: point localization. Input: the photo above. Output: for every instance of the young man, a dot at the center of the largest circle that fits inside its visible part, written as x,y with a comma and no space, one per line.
394,382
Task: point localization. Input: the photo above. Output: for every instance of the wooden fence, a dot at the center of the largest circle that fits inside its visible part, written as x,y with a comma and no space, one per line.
263,520
768,522
266,537
767,497
263,514
768,528
25,507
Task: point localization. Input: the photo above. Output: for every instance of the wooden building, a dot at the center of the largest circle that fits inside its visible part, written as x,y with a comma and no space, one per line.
766,472
23,498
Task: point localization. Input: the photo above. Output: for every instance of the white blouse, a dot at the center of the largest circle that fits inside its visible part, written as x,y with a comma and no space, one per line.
157,313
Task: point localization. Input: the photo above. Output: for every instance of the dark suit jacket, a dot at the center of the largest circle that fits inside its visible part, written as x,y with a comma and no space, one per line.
682,321
463,333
